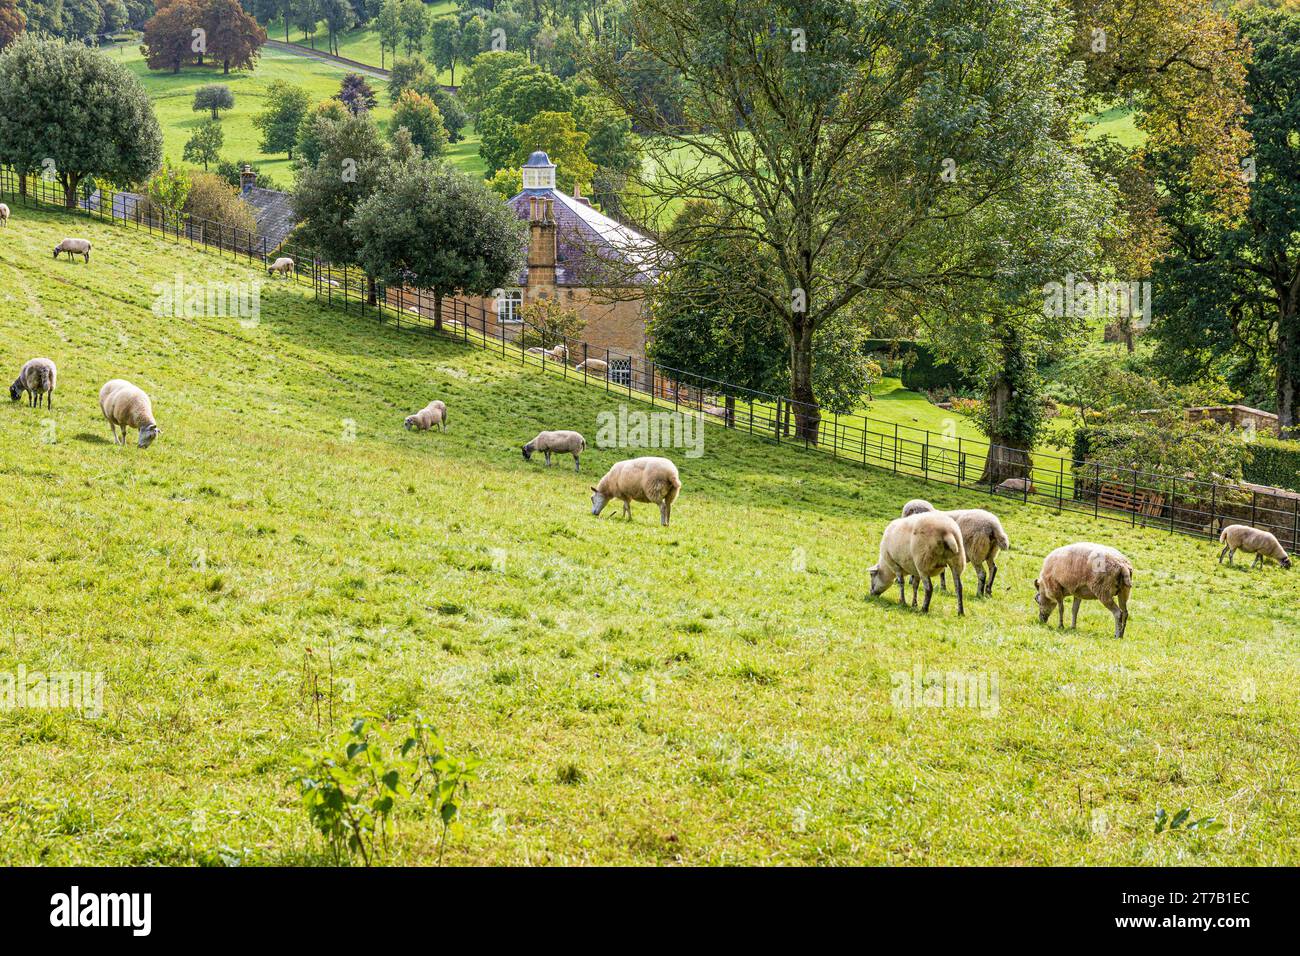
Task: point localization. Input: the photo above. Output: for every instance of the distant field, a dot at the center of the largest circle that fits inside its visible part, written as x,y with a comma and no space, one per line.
361,44
1117,122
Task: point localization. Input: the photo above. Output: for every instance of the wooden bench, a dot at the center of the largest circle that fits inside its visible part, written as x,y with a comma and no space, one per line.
1140,500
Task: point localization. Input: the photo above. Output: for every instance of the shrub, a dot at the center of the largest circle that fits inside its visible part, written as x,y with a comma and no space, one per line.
1273,462
212,198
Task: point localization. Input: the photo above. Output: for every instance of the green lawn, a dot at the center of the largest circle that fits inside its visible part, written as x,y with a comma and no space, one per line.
719,691
1118,122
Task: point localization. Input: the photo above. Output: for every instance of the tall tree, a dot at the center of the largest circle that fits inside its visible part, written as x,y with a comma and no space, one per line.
1227,296
204,145
356,94
420,117
234,38
169,42
286,105
388,24
432,227
841,137
414,17
340,17
66,106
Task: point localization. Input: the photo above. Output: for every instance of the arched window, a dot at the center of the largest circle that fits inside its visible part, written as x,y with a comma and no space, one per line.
510,306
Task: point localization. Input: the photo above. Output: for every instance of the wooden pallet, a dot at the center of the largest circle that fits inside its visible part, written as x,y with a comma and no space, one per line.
1140,501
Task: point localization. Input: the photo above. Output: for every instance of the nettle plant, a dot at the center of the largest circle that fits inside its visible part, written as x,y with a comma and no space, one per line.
351,794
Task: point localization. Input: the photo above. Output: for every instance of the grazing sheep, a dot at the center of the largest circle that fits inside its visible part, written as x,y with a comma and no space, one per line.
558,443
125,406
559,353
283,266
653,480
1084,570
435,413
4,214
37,378
593,365
73,247
982,535
919,547
1017,486
1252,541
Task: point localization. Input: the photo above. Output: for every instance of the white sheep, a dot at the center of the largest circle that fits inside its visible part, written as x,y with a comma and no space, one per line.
282,266
598,366
560,442
4,214
37,378
919,547
73,247
982,535
1084,570
558,353
435,413
649,479
1016,486
126,406
1254,541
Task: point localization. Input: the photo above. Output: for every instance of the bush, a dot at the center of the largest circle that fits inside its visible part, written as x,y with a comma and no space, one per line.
1273,462
214,199
920,370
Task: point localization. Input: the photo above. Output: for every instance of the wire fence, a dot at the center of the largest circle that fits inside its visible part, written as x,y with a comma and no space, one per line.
1139,498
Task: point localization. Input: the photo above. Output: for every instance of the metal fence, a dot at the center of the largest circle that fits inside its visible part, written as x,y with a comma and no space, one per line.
1184,505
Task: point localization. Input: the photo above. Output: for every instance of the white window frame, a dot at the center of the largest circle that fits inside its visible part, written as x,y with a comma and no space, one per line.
539,177
620,371
510,307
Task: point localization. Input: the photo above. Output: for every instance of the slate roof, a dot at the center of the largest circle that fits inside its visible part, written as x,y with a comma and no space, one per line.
274,213
590,247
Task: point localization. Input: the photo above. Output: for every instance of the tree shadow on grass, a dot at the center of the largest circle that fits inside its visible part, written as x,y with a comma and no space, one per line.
91,439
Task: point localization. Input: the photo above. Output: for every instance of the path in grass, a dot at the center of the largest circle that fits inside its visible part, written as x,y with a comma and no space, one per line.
720,691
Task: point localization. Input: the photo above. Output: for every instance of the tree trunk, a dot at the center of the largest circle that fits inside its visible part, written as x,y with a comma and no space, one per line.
225,68
1008,450
807,416
731,411
69,191
22,185
437,311
372,297
1288,372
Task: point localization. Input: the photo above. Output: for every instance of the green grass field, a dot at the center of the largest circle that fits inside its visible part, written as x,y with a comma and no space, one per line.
360,44
714,692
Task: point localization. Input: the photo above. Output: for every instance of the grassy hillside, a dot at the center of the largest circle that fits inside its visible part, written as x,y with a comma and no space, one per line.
360,44
715,692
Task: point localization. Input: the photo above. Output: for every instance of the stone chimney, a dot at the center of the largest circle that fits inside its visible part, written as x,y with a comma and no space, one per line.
577,194
541,245
247,178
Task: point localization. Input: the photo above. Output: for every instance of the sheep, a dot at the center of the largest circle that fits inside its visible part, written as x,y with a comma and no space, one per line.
559,353
1252,541
556,442
1084,570
73,247
982,535
37,378
126,406
4,214
593,365
1016,486
920,546
649,479
282,266
435,413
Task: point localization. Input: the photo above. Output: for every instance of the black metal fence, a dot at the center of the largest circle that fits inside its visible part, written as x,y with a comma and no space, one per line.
1184,505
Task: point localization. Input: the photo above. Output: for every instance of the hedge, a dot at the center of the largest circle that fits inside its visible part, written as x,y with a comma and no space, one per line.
1273,462
922,371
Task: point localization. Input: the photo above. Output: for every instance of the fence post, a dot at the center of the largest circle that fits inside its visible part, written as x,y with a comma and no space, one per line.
1214,506
1060,484
1096,488
1295,525
895,456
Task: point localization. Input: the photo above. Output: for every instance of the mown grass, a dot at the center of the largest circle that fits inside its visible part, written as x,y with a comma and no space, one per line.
715,692
361,43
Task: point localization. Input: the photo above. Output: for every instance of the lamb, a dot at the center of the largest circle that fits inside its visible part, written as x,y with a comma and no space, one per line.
1252,541
559,353
73,247
1084,570
282,266
982,536
435,413
556,442
4,214
649,479
1016,486
920,546
37,378
126,406
593,365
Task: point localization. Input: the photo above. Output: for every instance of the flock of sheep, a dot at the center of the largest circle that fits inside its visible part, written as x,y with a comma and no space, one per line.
922,543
